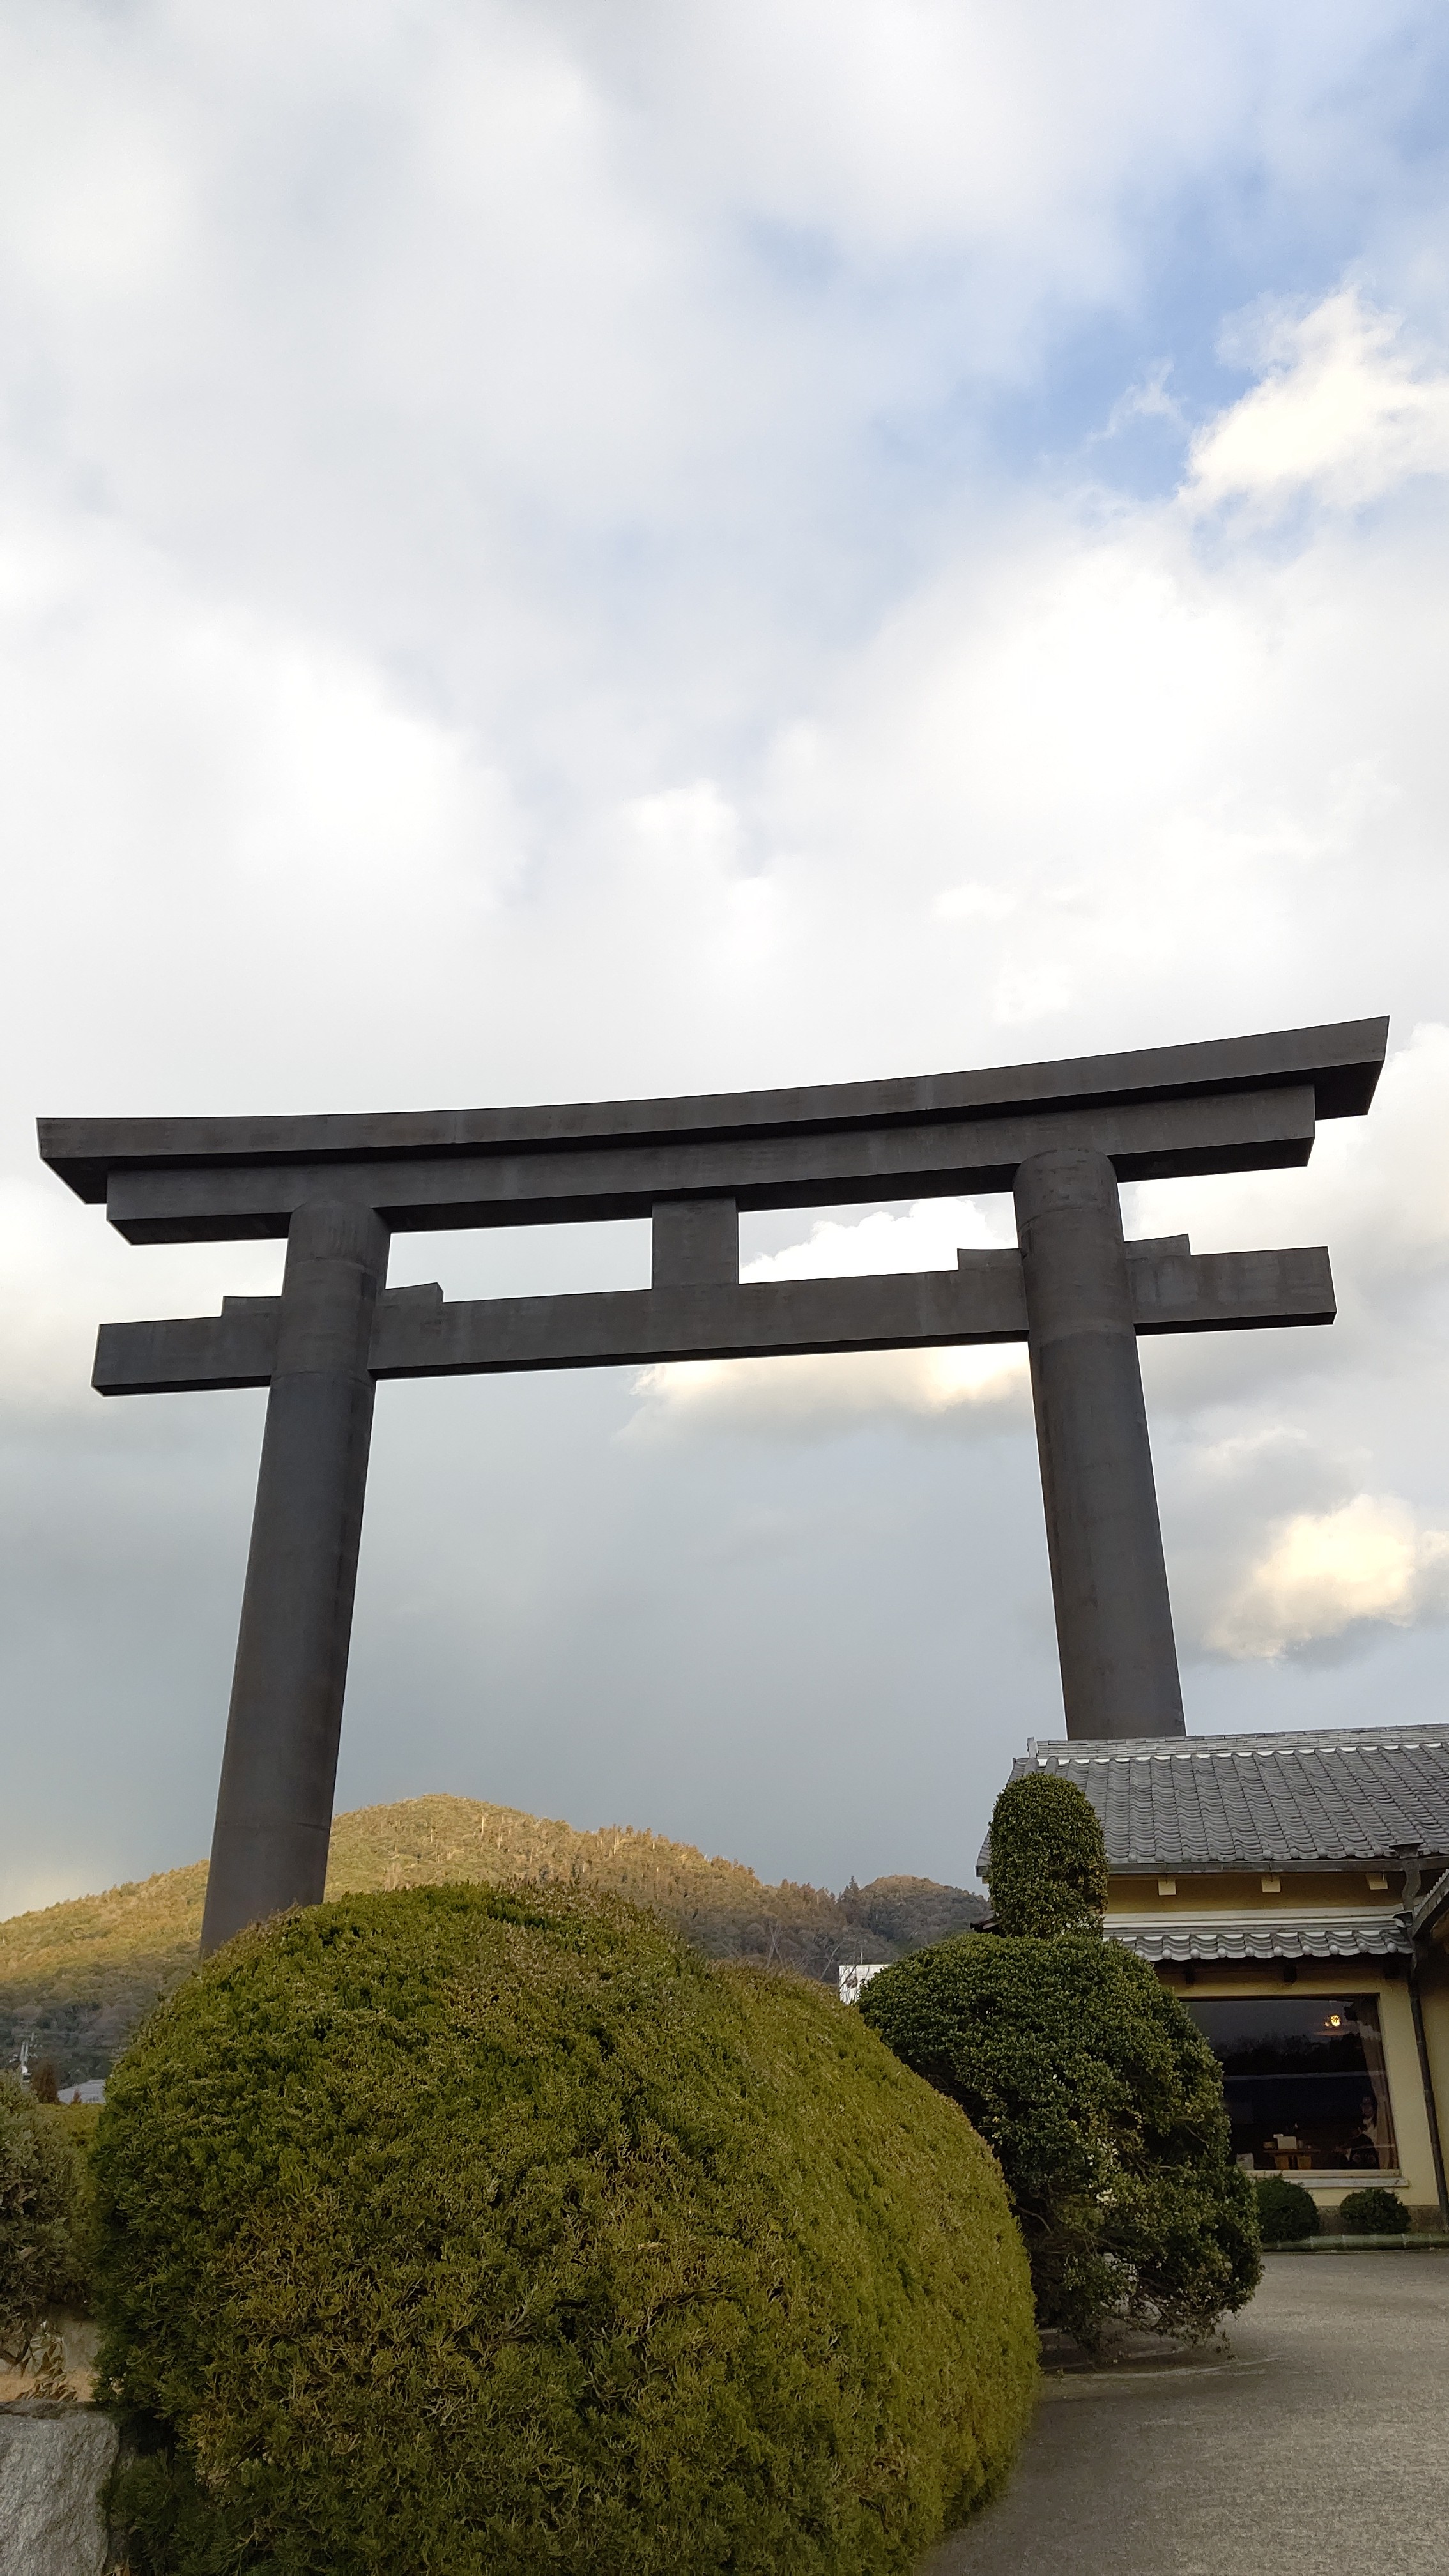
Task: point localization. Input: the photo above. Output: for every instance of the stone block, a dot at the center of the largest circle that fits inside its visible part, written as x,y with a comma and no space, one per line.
54,2462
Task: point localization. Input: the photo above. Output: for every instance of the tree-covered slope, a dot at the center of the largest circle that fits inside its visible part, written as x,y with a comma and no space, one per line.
79,1976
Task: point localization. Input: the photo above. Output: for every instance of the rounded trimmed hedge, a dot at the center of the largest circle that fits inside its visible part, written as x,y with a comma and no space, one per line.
43,2222
1373,2212
495,2231
1286,2212
1104,2103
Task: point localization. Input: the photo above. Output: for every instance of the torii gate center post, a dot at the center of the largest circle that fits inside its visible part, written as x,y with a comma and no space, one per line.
1061,1137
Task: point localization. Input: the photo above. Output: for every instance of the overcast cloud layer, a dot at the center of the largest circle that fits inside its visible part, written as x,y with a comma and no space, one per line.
550,553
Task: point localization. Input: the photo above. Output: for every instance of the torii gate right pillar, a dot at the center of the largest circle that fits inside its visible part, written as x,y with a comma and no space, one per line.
1109,1580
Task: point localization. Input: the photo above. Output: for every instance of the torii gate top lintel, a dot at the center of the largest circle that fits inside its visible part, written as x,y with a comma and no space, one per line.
1060,1137
1161,1111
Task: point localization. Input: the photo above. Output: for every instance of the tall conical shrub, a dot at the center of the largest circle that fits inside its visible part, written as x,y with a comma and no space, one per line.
1048,1858
1097,2090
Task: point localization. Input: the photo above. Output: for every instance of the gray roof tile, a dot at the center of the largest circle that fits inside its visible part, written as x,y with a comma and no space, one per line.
1342,1794
1374,1938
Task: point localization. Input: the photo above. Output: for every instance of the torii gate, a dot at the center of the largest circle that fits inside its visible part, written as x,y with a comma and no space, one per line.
1059,1136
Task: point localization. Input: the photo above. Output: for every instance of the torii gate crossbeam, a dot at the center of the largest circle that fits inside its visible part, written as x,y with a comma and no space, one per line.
1061,1137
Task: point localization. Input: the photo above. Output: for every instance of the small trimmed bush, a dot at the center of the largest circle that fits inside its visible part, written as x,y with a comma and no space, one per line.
43,2221
1373,2212
1105,2105
1048,1859
1286,2212
490,2231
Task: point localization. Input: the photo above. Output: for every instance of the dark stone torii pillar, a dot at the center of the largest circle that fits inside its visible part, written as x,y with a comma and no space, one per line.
1109,1579
274,1809
1061,1137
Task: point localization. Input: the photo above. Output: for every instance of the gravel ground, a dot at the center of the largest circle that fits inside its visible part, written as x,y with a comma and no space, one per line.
1319,2443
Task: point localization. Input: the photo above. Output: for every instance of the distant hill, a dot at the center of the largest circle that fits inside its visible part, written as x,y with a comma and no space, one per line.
906,1913
79,1976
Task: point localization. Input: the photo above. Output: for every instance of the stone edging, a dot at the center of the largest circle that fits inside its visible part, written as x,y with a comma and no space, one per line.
1346,2244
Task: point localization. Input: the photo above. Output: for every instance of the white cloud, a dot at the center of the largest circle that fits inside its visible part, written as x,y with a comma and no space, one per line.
972,902
831,1392
95,204
1323,1572
255,818
1148,399
1346,408
927,1236
686,861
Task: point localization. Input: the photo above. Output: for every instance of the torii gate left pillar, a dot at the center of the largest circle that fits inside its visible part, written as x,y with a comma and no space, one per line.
1061,1137
279,1768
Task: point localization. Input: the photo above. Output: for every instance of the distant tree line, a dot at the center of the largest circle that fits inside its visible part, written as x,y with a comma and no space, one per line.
77,1979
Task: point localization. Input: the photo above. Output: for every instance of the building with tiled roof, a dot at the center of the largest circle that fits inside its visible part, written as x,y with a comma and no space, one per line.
1295,1888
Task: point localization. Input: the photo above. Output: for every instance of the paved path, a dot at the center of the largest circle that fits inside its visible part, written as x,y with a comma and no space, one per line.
1319,2448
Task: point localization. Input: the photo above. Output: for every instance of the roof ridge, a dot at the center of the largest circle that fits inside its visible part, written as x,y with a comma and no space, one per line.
1180,1748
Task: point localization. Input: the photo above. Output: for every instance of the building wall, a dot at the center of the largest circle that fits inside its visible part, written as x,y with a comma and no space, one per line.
1401,2059
1202,1897
1243,1892
1434,1997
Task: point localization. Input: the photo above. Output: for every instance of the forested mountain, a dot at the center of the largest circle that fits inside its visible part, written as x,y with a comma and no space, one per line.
76,1978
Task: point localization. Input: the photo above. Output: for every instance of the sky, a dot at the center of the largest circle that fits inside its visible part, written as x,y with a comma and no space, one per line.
549,552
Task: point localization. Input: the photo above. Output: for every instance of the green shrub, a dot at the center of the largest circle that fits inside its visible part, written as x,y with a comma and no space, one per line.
1286,2212
1373,2212
43,2221
495,2231
1105,2105
1048,1859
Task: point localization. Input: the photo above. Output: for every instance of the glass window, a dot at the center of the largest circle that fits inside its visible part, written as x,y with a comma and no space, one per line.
1304,2081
